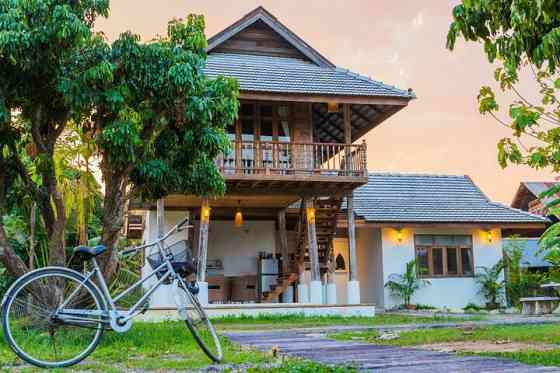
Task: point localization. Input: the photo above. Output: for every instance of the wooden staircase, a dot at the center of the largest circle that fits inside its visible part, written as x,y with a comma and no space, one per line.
283,282
326,212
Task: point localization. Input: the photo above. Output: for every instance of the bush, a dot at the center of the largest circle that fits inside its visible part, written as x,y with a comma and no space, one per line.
405,285
520,281
491,287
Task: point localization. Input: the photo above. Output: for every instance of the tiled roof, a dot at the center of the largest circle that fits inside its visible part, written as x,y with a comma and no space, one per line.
431,199
290,75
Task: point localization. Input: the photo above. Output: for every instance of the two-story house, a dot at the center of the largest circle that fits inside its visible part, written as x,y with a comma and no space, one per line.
303,225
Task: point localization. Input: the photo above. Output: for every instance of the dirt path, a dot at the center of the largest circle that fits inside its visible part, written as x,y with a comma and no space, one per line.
376,358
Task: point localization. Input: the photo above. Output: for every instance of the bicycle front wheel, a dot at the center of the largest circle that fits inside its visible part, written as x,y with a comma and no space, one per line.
197,321
51,318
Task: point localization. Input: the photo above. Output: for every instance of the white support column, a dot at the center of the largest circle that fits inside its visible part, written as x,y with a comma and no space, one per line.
202,252
353,286
303,293
315,286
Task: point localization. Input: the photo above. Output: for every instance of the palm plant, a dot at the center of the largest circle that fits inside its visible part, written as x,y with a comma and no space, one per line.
405,285
491,284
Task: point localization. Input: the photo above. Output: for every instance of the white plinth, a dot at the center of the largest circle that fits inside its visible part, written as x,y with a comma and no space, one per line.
353,290
288,295
203,292
303,293
331,293
315,292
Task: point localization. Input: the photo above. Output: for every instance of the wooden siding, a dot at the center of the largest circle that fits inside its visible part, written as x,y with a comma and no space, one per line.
259,39
302,126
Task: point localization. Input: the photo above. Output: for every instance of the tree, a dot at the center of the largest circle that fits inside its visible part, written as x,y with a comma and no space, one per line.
156,122
520,36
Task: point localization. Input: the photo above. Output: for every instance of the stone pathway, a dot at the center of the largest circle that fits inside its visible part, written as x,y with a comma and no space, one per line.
375,358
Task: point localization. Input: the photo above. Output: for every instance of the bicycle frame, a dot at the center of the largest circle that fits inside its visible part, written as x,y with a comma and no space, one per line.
83,315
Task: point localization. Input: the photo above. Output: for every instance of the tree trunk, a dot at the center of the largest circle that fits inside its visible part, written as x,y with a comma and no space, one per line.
112,220
8,256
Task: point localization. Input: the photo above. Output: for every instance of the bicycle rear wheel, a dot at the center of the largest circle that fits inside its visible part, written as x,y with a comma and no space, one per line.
38,332
197,321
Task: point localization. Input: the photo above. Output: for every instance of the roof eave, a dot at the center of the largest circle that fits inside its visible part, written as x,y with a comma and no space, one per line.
455,224
323,98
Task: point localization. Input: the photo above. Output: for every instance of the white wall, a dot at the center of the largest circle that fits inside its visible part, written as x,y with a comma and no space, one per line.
236,248
443,292
370,266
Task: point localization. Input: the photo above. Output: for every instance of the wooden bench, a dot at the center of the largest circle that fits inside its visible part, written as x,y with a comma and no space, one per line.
539,305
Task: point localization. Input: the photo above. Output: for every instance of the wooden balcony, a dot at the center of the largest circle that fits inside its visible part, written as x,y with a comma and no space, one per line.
294,167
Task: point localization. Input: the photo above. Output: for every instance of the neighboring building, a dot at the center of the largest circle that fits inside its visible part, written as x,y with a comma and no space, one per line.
317,228
527,197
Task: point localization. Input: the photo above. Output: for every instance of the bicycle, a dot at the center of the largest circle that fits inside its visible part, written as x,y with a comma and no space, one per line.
55,304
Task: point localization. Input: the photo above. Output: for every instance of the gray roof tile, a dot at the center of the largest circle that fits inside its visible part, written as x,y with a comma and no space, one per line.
290,75
431,199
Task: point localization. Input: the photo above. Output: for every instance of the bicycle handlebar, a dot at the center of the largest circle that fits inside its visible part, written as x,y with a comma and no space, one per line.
177,228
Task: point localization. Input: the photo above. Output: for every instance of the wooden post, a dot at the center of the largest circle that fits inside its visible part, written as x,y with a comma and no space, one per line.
283,240
351,237
347,116
202,252
160,219
312,241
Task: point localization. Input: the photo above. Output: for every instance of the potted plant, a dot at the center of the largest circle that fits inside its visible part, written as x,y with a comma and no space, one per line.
405,285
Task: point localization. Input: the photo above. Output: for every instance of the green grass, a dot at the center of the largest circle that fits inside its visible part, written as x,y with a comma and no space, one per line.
169,345
548,334
301,321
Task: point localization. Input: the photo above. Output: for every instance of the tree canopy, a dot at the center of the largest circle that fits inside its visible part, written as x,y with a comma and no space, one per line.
518,35
148,113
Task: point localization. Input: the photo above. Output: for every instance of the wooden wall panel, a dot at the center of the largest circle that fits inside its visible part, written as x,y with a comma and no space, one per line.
259,39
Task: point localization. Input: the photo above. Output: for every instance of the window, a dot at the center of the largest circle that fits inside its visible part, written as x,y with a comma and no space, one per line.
444,255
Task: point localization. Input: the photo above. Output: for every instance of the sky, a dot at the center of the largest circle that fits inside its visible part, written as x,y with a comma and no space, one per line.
401,43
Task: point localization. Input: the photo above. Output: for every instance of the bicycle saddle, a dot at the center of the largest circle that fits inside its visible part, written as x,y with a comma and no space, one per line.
90,250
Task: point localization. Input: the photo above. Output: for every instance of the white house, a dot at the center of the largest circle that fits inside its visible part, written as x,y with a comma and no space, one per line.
303,227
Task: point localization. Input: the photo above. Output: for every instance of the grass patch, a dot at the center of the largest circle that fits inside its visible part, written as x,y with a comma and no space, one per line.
302,366
547,334
302,321
167,345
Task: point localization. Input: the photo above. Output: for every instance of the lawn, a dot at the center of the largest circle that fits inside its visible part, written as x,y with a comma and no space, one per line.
300,321
533,335
169,345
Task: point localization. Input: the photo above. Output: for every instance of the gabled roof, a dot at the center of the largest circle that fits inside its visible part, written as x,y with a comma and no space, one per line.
420,198
273,74
261,14
291,75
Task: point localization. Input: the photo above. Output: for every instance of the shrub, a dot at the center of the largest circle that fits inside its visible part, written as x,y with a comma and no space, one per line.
405,285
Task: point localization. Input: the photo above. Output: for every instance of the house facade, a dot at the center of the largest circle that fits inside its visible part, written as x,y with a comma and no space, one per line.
301,222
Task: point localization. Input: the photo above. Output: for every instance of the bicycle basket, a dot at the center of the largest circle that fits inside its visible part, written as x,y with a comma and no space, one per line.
181,259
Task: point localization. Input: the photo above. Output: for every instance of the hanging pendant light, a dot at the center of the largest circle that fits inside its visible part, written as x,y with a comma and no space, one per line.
238,221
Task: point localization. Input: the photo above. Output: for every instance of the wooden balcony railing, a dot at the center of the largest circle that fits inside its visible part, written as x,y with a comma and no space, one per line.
288,158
